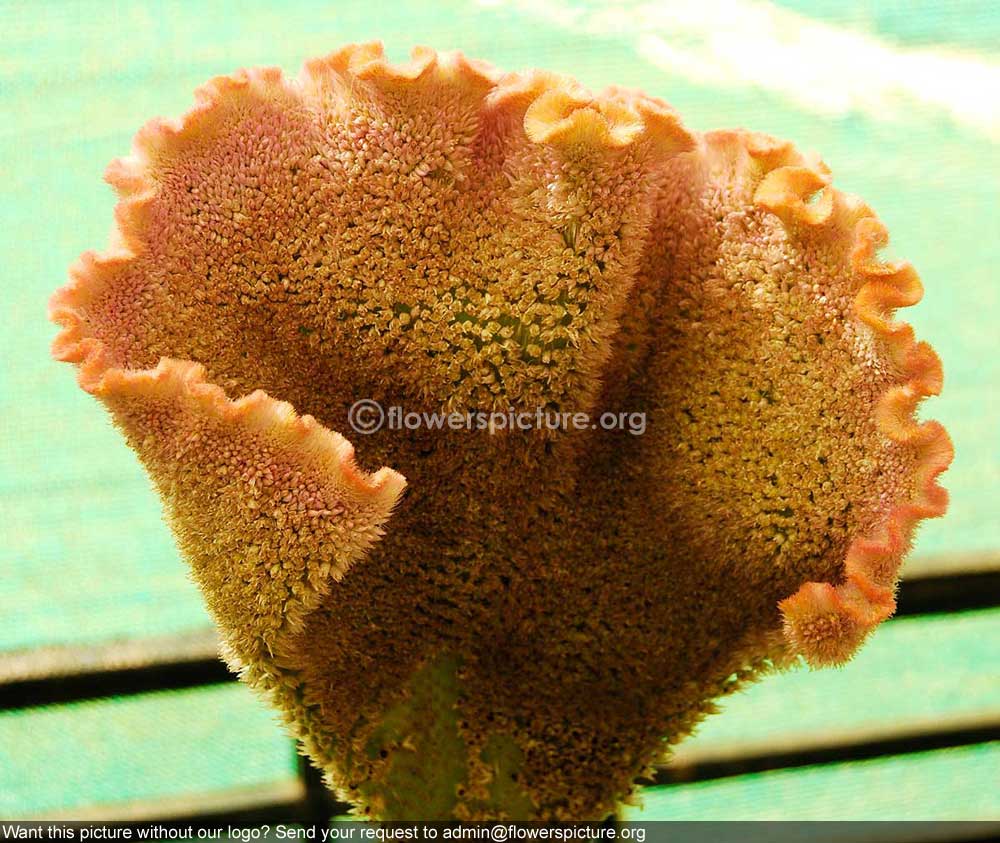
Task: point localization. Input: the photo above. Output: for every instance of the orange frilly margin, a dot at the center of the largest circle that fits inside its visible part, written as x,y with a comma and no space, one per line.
824,622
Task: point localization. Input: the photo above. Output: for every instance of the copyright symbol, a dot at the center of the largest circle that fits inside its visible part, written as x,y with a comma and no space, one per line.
366,416
499,833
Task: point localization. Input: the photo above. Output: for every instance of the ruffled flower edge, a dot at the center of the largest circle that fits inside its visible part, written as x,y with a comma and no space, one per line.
826,622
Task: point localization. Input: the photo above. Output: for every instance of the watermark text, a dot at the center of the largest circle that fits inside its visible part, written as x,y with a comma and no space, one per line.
367,416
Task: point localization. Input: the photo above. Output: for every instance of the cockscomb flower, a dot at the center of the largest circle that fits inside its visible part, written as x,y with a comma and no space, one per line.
543,612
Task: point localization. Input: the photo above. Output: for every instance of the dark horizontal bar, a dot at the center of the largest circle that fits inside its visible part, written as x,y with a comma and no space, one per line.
860,751
156,676
956,593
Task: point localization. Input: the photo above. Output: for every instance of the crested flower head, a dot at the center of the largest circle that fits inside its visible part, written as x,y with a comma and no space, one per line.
546,608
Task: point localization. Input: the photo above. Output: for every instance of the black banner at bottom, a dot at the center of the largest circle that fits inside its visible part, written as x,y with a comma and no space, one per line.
510,832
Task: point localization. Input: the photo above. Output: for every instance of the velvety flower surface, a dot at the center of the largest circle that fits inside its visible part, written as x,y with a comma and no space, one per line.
541,613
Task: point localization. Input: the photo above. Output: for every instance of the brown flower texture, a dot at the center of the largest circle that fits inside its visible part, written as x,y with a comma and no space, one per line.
543,613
